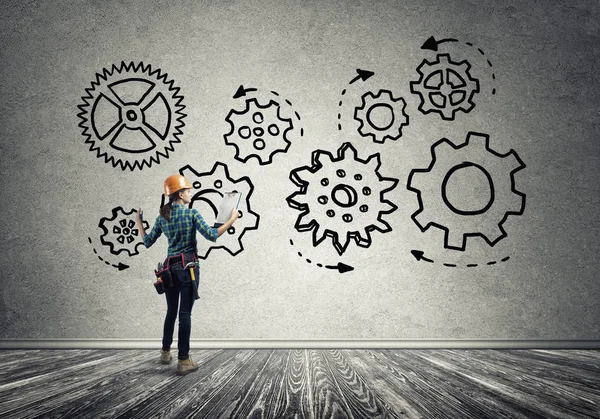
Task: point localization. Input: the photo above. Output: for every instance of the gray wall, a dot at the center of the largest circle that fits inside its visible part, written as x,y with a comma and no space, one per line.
55,191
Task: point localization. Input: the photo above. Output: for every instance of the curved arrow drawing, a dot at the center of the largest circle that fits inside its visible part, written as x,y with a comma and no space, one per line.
341,267
420,255
241,91
363,75
121,266
432,44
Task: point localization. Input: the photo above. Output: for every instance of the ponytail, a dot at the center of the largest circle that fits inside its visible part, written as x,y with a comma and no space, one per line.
165,210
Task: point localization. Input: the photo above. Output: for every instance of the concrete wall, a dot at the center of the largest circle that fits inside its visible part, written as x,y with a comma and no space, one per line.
65,174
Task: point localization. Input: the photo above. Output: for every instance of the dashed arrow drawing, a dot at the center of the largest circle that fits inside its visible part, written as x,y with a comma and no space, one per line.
432,44
420,256
121,266
363,75
340,267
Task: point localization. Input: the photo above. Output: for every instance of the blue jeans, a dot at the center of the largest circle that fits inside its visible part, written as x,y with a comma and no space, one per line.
182,287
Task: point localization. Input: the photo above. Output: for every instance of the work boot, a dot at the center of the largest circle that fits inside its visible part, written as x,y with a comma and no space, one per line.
185,366
165,356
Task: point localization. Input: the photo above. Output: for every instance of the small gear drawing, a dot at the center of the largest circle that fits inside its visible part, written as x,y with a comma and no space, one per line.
131,116
445,87
120,232
457,217
208,189
258,131
341,197
381,116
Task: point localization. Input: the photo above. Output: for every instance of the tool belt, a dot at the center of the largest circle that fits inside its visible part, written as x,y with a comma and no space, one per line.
165,275
183,258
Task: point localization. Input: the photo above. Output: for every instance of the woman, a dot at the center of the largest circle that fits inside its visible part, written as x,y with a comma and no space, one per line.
180,223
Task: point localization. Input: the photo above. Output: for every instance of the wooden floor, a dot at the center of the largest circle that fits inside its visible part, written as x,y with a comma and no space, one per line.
302,384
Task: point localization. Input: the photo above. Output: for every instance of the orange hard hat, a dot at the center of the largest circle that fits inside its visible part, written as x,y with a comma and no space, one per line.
174,183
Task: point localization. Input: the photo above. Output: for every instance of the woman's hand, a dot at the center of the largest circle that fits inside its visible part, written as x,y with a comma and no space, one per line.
234,216
138,216
140,222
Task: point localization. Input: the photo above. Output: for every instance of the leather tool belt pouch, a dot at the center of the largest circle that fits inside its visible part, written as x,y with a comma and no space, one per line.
165,275
164,279
185,259
160,288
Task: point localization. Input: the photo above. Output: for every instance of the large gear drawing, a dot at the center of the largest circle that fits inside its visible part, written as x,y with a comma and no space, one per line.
498,199
381,116
258,131
341,197
120,232
208,188
131,116
445,87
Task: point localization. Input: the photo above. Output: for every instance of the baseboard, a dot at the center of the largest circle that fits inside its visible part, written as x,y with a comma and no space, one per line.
302,344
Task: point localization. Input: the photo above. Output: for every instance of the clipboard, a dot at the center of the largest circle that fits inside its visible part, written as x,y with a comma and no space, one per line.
230,201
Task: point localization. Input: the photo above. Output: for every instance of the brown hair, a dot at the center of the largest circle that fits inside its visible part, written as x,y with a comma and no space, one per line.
165,210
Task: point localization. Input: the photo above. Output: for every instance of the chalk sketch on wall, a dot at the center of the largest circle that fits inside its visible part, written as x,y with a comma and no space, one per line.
341,267
258,128
119,236
432,44
132,116
475,168
420,255
120,232
381,116
445,87
120,265
341,197
208,189
362,75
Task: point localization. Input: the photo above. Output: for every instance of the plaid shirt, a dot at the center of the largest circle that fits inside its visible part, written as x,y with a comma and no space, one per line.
181,230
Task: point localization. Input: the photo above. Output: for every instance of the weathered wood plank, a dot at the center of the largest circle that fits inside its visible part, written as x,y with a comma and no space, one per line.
487,382
328,401
303,384
30,364
361,399
583,380
390,383
264,397
584,361
296,389
232,393
47,391
427,391
455,396
204,390
129,388
547,397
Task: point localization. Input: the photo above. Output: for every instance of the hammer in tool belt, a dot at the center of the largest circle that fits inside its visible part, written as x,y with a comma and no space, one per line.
191,266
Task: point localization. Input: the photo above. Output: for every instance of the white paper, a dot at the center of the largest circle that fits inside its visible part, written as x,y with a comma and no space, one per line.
229,202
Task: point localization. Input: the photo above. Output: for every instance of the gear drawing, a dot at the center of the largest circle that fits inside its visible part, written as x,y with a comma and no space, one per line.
131,116
341,197
445,87
459,218
381,116
258,131
120,232
208,189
